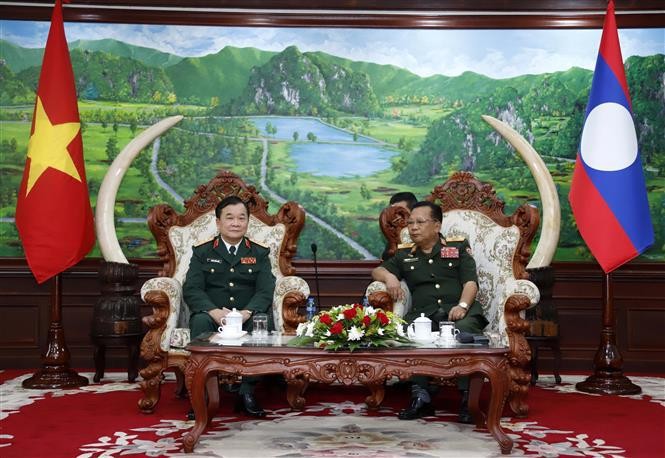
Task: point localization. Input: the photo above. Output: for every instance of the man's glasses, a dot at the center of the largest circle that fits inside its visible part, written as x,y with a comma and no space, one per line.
417,222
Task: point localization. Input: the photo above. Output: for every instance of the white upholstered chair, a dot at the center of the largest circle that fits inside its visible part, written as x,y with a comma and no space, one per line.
163,346
500,245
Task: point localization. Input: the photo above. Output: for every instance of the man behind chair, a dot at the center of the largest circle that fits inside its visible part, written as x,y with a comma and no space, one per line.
399,199
230,271
441,276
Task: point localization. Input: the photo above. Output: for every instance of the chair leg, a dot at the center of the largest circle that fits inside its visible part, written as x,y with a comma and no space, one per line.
180,388
534,362
99,356
557,359
151,387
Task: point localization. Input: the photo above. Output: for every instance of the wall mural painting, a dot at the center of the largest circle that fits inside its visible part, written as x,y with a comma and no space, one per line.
344,118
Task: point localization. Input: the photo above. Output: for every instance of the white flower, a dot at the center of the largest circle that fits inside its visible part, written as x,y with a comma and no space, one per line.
340,317
300,330
400,330
355,333
369,310
327,334
310,329
380,331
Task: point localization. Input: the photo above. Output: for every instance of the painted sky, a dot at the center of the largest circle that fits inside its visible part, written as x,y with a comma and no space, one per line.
495,53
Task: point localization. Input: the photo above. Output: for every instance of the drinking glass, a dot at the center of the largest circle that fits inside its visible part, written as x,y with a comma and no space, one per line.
260,325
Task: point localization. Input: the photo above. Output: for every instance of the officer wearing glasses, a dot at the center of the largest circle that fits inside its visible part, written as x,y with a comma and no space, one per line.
441,276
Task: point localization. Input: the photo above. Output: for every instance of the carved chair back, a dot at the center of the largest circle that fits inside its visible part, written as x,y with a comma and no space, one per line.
499,243
176,233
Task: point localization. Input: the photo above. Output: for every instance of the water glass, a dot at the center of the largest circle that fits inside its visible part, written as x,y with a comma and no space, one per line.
260,325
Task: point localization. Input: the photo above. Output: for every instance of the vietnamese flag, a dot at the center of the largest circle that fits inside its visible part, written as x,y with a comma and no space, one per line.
608,193
53,213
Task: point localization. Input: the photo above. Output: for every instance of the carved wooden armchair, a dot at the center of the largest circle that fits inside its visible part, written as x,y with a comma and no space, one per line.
168,334
500,245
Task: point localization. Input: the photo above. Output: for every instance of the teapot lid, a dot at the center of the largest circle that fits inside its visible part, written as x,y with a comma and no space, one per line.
234,312
422,319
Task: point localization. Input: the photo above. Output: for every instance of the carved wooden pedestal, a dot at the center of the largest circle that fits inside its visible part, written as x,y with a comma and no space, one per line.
116,318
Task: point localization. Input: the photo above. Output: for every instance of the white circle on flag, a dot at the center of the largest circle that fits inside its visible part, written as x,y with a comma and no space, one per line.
608,139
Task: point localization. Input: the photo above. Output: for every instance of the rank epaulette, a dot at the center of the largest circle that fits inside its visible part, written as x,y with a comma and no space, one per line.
458,238
255,243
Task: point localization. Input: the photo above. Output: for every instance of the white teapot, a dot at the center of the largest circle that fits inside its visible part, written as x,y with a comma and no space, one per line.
231,323
420,329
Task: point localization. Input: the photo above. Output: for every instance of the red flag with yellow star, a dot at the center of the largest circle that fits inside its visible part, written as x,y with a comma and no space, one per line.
53,213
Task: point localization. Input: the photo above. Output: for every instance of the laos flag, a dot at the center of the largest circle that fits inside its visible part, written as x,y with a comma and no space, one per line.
608,193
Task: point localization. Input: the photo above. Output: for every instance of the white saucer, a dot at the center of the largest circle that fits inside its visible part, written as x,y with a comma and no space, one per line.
228,336
432,338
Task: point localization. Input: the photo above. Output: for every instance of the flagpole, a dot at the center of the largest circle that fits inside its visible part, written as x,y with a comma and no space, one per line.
608,377
55,371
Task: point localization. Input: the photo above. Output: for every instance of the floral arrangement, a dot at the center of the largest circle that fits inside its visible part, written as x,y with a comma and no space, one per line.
349,327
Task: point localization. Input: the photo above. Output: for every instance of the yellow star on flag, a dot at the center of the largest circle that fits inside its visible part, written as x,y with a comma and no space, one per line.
48,147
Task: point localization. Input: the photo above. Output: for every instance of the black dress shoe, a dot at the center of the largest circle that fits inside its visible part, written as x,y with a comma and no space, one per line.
248,404
190,415
417,409
464,415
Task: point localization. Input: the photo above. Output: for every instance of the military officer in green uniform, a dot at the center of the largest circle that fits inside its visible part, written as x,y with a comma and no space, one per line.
230,271
441,276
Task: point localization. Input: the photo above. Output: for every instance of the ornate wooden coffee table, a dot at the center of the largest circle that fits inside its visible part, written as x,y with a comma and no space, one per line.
300,365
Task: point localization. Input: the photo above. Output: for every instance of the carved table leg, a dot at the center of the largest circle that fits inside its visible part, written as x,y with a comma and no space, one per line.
295,390
499,383
475,387
212,391
378,392
198,399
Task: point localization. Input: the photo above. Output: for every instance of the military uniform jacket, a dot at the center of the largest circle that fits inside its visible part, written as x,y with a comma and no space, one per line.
217,279
435,279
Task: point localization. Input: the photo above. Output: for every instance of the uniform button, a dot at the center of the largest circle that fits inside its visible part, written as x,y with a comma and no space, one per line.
231,284
450,264
249,270
431,261
438,301
437,286
212,271
232,269
412,267
232,298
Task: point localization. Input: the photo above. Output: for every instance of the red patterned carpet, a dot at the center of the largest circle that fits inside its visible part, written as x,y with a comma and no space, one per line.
102,420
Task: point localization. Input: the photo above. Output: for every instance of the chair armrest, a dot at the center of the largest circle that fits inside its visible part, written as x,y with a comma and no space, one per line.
291,293
164,295
400,307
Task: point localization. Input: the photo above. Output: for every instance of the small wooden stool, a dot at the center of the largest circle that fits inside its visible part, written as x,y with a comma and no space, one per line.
552,342
131,341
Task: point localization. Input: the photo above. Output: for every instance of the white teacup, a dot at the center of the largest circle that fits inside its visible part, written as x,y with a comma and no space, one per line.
447,331
231,324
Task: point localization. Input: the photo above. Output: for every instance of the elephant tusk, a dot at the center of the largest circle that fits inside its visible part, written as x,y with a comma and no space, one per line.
105,211
549,234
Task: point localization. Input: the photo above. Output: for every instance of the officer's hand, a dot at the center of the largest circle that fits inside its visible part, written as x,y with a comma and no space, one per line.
456,313
245,315
394,288
217,315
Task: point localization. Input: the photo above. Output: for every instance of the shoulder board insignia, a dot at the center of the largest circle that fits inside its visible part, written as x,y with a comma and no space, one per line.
247,242
204,242
458,238
401,246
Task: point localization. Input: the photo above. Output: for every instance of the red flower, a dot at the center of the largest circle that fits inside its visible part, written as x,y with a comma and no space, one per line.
383,318
325,319
366,320
350,314
337,328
